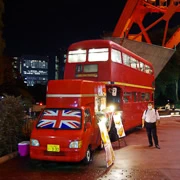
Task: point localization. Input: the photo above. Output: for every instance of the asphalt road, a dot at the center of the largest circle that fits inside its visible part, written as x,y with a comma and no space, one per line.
132,161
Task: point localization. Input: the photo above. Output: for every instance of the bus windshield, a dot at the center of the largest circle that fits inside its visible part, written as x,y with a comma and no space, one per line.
94,55
69,119
77,56
98,54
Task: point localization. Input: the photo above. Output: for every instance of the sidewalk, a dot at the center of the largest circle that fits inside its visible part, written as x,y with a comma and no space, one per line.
7,157
138,161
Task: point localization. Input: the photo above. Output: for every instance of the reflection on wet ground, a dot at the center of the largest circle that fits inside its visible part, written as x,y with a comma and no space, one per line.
24,168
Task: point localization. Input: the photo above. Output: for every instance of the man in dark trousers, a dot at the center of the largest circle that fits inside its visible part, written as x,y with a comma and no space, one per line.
149,118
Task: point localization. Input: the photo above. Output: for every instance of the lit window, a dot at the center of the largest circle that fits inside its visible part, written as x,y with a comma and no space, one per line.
98,54
133,63
138,66
141,66
148,70
77,56
116,56
126,59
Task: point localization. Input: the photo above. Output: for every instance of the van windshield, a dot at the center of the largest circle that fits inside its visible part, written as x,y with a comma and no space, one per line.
60,119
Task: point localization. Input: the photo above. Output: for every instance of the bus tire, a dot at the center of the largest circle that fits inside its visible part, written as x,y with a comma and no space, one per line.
88,156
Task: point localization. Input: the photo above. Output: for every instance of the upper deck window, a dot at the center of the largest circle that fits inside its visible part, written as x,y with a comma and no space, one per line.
98,54
126,59
141,66
77,56
116,56
148,70
134,63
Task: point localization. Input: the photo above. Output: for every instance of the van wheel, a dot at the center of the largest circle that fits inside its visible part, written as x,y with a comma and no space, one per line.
88,156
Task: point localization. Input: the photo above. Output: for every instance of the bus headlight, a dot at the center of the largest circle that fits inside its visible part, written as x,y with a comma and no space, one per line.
34,142
75,144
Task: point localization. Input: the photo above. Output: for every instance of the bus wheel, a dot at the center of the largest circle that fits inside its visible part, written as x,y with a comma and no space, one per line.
88,156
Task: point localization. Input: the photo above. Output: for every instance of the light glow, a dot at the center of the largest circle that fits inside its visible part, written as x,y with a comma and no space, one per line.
111,108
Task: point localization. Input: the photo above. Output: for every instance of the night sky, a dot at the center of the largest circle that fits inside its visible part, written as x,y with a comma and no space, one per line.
42,27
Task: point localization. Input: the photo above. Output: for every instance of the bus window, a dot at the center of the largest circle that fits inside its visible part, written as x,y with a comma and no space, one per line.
116,56
148,70
100,54
88,68
126,59
147,96
78,68
135,96
138,65
77,56
113,96
142,96
133,63
127,97
141,66
139,97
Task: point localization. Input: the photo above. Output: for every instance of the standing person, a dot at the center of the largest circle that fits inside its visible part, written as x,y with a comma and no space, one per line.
149,118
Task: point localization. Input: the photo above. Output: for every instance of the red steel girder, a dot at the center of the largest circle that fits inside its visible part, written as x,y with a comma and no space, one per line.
135,12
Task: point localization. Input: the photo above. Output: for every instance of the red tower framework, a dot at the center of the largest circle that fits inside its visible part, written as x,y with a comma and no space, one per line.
135,12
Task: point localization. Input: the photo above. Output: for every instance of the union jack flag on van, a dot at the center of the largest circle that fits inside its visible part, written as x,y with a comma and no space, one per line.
60,119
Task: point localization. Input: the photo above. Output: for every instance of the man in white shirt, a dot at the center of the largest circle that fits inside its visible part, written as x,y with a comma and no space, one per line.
149,118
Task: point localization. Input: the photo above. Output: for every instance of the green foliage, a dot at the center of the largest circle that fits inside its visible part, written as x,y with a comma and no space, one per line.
11,120
167,82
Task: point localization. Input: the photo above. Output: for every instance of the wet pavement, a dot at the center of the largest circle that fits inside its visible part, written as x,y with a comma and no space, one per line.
22,168
133,161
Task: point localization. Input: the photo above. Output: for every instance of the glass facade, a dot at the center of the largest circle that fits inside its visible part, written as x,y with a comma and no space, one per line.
39,69
34,70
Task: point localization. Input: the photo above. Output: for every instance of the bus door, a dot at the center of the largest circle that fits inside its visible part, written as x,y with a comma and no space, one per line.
113,97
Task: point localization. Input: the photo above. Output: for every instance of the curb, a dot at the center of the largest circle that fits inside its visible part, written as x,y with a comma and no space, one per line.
8,157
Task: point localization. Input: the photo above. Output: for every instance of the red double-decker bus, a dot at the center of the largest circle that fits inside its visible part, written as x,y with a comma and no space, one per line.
129,78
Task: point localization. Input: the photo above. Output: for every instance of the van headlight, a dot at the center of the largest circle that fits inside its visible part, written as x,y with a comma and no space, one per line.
75,144
34,142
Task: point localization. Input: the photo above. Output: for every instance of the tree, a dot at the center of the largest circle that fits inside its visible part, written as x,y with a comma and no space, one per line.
11,120
11,83
167,82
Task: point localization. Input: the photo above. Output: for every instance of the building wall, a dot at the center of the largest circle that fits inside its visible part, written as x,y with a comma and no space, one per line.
34,69
39,69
